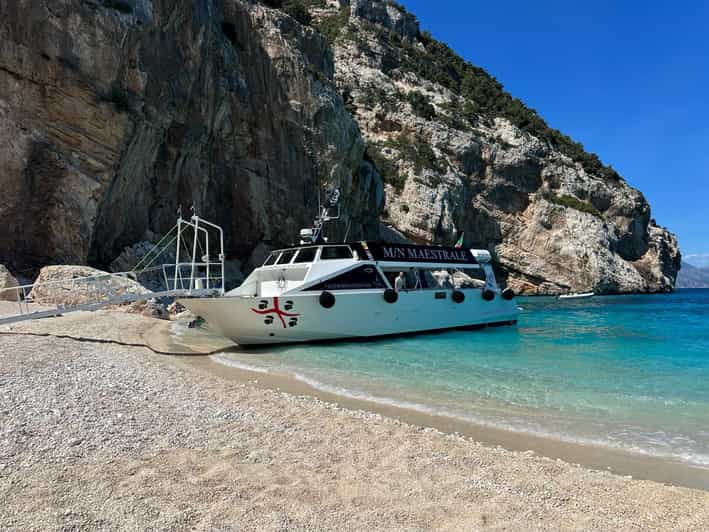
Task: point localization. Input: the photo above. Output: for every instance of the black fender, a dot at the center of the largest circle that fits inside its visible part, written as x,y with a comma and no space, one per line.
390,296
508,294
327,299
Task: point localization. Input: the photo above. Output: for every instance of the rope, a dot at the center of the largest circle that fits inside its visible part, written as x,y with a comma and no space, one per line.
157,246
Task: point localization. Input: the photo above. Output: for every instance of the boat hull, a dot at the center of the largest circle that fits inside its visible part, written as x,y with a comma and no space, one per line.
577,296
301,318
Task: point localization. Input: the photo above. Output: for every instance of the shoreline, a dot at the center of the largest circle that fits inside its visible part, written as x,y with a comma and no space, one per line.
617,461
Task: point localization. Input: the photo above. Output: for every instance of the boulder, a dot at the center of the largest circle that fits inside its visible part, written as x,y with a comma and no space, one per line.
7,282
77,285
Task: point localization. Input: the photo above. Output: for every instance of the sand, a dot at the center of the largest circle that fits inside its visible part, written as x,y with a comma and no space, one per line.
99,432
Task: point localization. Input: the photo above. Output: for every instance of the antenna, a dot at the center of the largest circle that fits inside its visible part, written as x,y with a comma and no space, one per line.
315,235
319,192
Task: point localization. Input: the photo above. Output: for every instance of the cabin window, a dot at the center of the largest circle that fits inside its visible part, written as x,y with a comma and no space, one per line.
305,255
468,278
457,278
364,277
271,259
335,252
437,278
285,257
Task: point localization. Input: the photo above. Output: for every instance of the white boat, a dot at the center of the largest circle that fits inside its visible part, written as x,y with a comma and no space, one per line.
584,295
323,291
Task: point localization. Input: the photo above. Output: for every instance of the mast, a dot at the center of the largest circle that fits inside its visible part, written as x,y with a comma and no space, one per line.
316,234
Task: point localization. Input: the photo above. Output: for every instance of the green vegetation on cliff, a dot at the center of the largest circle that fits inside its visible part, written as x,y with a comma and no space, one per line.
298,9
480,93
574,203
332,25
386,167
438,63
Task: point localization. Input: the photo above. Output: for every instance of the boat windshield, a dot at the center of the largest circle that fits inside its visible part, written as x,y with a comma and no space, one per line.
305,255
285,257
335,253
271,259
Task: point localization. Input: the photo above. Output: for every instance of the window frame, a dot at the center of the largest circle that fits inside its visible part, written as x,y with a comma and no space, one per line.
275,254
314,249
285,253
336,246
323,284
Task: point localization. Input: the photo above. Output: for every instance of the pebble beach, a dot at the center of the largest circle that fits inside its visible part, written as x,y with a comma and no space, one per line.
97,431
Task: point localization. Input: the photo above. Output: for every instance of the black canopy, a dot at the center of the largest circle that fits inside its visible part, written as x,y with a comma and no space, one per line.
412,253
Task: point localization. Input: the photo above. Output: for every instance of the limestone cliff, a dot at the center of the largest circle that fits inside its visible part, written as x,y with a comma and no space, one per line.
458,154
115,112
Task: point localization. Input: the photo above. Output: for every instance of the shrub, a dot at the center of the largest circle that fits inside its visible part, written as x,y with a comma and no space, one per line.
425,158
385,166
421,105
317,73
417,151
373,95
575,203
331,26
298,10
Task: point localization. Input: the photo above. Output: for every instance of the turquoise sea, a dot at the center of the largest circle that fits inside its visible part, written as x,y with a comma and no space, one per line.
621,371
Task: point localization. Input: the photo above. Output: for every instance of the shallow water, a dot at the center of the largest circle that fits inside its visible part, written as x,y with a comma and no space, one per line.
622,371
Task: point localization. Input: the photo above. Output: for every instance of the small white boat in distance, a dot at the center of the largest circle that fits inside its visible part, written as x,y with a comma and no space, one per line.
584,295
331,291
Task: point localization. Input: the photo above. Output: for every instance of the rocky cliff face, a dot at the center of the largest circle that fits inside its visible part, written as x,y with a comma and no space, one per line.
460,155
115,112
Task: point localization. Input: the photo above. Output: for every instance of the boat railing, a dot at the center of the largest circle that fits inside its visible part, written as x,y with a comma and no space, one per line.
182,276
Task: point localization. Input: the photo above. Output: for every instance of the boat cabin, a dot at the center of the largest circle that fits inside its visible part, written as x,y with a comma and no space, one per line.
364,266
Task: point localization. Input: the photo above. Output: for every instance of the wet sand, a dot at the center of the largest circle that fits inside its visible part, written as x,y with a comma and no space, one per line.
97,431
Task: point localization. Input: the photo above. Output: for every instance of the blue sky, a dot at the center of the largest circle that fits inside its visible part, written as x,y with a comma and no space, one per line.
629,80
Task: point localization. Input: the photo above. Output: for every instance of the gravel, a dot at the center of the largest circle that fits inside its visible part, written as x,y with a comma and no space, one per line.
112,436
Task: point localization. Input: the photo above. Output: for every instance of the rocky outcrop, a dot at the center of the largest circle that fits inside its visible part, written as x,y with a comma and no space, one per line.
114,114
476,161
7,283
80,285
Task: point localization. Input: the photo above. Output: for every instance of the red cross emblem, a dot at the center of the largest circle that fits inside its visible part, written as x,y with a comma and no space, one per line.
277,311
